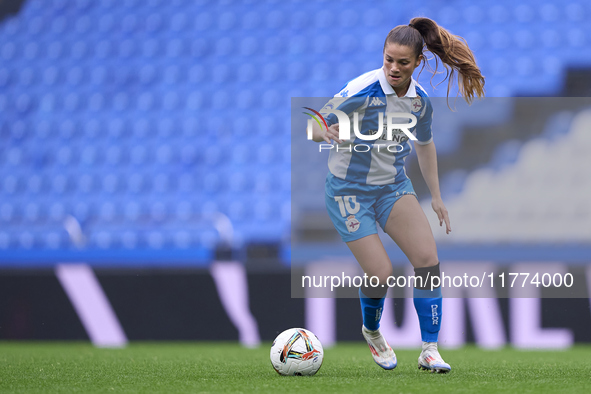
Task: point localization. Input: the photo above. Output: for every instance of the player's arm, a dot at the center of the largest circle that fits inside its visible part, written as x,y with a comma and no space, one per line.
427,156
320,134
342,103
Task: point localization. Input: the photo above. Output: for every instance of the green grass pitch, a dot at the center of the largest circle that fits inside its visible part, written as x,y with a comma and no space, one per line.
196,367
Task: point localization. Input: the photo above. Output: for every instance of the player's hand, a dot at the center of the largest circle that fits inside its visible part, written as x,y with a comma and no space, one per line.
442,215
332,134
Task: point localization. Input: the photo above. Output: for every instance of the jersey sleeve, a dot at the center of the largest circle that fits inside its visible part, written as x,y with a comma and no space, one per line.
343,103
423,127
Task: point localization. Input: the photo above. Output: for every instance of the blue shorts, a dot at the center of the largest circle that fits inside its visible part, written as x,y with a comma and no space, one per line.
354,207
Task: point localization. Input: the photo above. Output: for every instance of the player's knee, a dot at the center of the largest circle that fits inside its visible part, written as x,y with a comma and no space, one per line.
377,288
424,277
425,258
383,273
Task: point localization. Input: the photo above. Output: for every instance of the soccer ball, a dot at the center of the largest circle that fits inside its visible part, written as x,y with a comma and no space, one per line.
296,352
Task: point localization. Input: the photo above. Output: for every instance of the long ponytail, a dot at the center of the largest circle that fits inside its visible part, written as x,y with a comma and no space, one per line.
453,51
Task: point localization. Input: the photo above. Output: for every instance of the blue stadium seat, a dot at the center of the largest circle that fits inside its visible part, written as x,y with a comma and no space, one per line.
138,183
83,211
473,14
187,183
27,239
8,51
139,155
56,212
156,239
102,240
65,156
524,13
550,12
133,211
33,212
196,73
158,212
54,239
200,47
111,184
8,213
166,129
107,212
36,184
114,156
212,156
6,240
175,48
11,184
5,77
182,239
211,183
184,211
237,182
87,184
164,154
163,183
171,101
129,239
188,154
195,101
237,211
179,22
575,12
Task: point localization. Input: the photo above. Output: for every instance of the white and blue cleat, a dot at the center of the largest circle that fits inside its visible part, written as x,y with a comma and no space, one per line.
381,352
431,360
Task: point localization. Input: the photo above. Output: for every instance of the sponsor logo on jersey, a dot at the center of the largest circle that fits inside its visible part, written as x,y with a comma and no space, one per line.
398,136
375,101
352,223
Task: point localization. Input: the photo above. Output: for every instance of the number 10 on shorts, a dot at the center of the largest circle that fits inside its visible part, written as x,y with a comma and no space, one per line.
348,205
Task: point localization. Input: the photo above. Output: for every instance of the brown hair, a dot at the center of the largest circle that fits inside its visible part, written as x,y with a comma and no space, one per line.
453,51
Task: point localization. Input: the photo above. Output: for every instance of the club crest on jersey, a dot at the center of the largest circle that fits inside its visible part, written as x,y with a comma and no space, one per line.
416,104
352,224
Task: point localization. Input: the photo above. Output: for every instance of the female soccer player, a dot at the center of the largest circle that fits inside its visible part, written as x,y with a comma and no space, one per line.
368,183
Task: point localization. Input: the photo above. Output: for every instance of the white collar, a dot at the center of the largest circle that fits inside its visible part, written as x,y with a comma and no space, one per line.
388,89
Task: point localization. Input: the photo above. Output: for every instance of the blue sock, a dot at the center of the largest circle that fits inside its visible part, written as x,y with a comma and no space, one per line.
428,306
371,310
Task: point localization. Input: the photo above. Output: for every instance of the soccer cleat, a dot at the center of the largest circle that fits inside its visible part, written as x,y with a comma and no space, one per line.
382,353
431,360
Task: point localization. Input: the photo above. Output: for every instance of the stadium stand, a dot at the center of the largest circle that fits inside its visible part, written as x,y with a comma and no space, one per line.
140,119
536,192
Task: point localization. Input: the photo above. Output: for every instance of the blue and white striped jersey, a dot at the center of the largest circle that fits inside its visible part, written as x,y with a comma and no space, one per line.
369,95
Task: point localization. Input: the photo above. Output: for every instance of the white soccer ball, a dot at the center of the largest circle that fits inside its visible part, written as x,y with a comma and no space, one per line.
297,352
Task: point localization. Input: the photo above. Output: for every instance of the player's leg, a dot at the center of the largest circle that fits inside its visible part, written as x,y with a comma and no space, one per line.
374,261
350,207
408,226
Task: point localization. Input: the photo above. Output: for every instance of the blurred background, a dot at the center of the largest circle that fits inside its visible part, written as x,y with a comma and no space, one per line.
152,181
